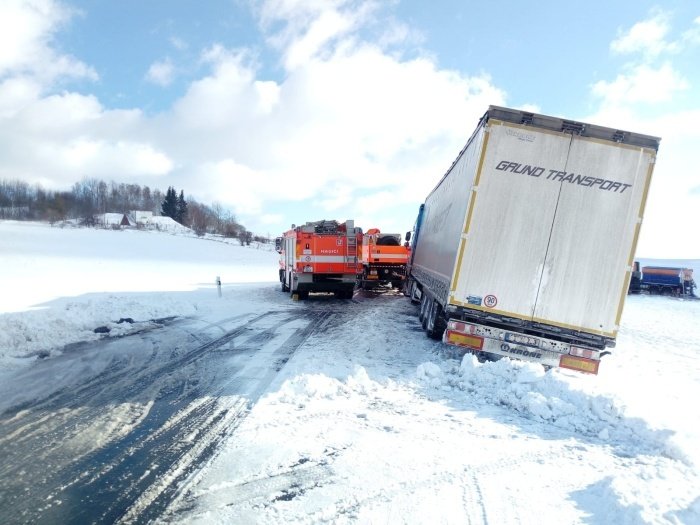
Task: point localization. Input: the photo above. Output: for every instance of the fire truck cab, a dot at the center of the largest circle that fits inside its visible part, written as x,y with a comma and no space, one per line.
320,256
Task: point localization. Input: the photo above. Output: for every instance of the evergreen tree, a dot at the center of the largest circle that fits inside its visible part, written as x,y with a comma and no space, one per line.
168,208
181,208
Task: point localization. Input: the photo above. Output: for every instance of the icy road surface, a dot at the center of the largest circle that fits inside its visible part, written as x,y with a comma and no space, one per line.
116,444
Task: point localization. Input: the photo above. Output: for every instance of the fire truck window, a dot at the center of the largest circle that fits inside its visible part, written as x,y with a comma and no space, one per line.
387,241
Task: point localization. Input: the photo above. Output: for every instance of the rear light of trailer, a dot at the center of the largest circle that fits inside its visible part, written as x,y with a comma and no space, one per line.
462,334
459,326
586,353
579,364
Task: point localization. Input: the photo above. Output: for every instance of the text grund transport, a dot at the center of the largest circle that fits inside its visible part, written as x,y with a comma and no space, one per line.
563,176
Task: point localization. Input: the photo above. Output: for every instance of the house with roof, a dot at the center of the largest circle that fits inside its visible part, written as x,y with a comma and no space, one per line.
108,220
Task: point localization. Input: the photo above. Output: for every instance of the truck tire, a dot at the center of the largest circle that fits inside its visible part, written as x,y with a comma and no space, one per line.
436,323
426,305
412,289
423,306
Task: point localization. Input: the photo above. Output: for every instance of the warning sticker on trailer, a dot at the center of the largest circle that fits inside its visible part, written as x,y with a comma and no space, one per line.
490,301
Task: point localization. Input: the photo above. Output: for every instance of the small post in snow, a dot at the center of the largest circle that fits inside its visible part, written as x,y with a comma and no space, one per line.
218,284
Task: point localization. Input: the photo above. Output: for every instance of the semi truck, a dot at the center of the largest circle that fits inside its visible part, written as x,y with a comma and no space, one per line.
321,256
383,259
524,248
663,280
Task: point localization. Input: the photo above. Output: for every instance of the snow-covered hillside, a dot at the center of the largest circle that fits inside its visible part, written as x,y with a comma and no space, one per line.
370,421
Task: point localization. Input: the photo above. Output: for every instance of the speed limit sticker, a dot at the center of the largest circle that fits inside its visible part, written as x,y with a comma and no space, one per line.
490,301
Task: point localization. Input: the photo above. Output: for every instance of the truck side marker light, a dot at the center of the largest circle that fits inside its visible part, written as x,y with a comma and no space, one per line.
470,341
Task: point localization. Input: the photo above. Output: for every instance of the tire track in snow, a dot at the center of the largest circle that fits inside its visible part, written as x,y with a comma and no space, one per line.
136,474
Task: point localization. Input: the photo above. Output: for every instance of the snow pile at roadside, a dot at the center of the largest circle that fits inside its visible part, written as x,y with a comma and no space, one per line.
552,398
305,388
61,284
44,332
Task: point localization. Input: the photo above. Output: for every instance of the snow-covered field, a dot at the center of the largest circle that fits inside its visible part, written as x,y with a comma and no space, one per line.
376,422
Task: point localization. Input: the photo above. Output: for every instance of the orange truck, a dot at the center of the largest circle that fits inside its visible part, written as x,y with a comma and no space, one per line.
321,256
383,259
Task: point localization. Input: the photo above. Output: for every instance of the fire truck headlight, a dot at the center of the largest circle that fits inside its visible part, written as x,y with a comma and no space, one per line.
308,269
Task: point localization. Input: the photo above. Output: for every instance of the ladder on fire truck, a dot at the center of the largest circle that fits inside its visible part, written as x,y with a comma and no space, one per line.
351,248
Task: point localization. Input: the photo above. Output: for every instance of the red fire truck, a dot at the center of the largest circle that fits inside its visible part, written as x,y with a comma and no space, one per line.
320,256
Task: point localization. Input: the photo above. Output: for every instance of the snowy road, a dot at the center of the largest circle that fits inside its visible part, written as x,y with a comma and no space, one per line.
117,444
249,407
246,419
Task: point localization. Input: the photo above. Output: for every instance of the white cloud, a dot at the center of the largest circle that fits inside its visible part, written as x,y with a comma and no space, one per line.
161,73
125,159
178,43
59,139
641,84
642,98
16,93
312,28
647,37
27,28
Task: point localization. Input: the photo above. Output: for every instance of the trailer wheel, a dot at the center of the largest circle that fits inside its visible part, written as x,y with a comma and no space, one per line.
423,306
435,321
413,292
426,305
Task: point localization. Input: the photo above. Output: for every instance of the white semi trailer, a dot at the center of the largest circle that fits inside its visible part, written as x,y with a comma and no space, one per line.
525,247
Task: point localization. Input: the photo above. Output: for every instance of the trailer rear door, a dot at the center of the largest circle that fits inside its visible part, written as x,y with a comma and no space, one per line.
586,274
551,228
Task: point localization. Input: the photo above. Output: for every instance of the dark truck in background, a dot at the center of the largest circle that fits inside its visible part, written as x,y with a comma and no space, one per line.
663,280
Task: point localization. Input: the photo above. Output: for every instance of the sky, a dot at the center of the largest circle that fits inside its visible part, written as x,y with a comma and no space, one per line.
287,111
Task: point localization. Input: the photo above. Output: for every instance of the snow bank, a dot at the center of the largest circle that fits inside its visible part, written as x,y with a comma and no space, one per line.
60,284
550,397
43,333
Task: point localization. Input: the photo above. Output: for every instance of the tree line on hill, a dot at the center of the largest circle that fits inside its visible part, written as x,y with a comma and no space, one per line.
89,198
